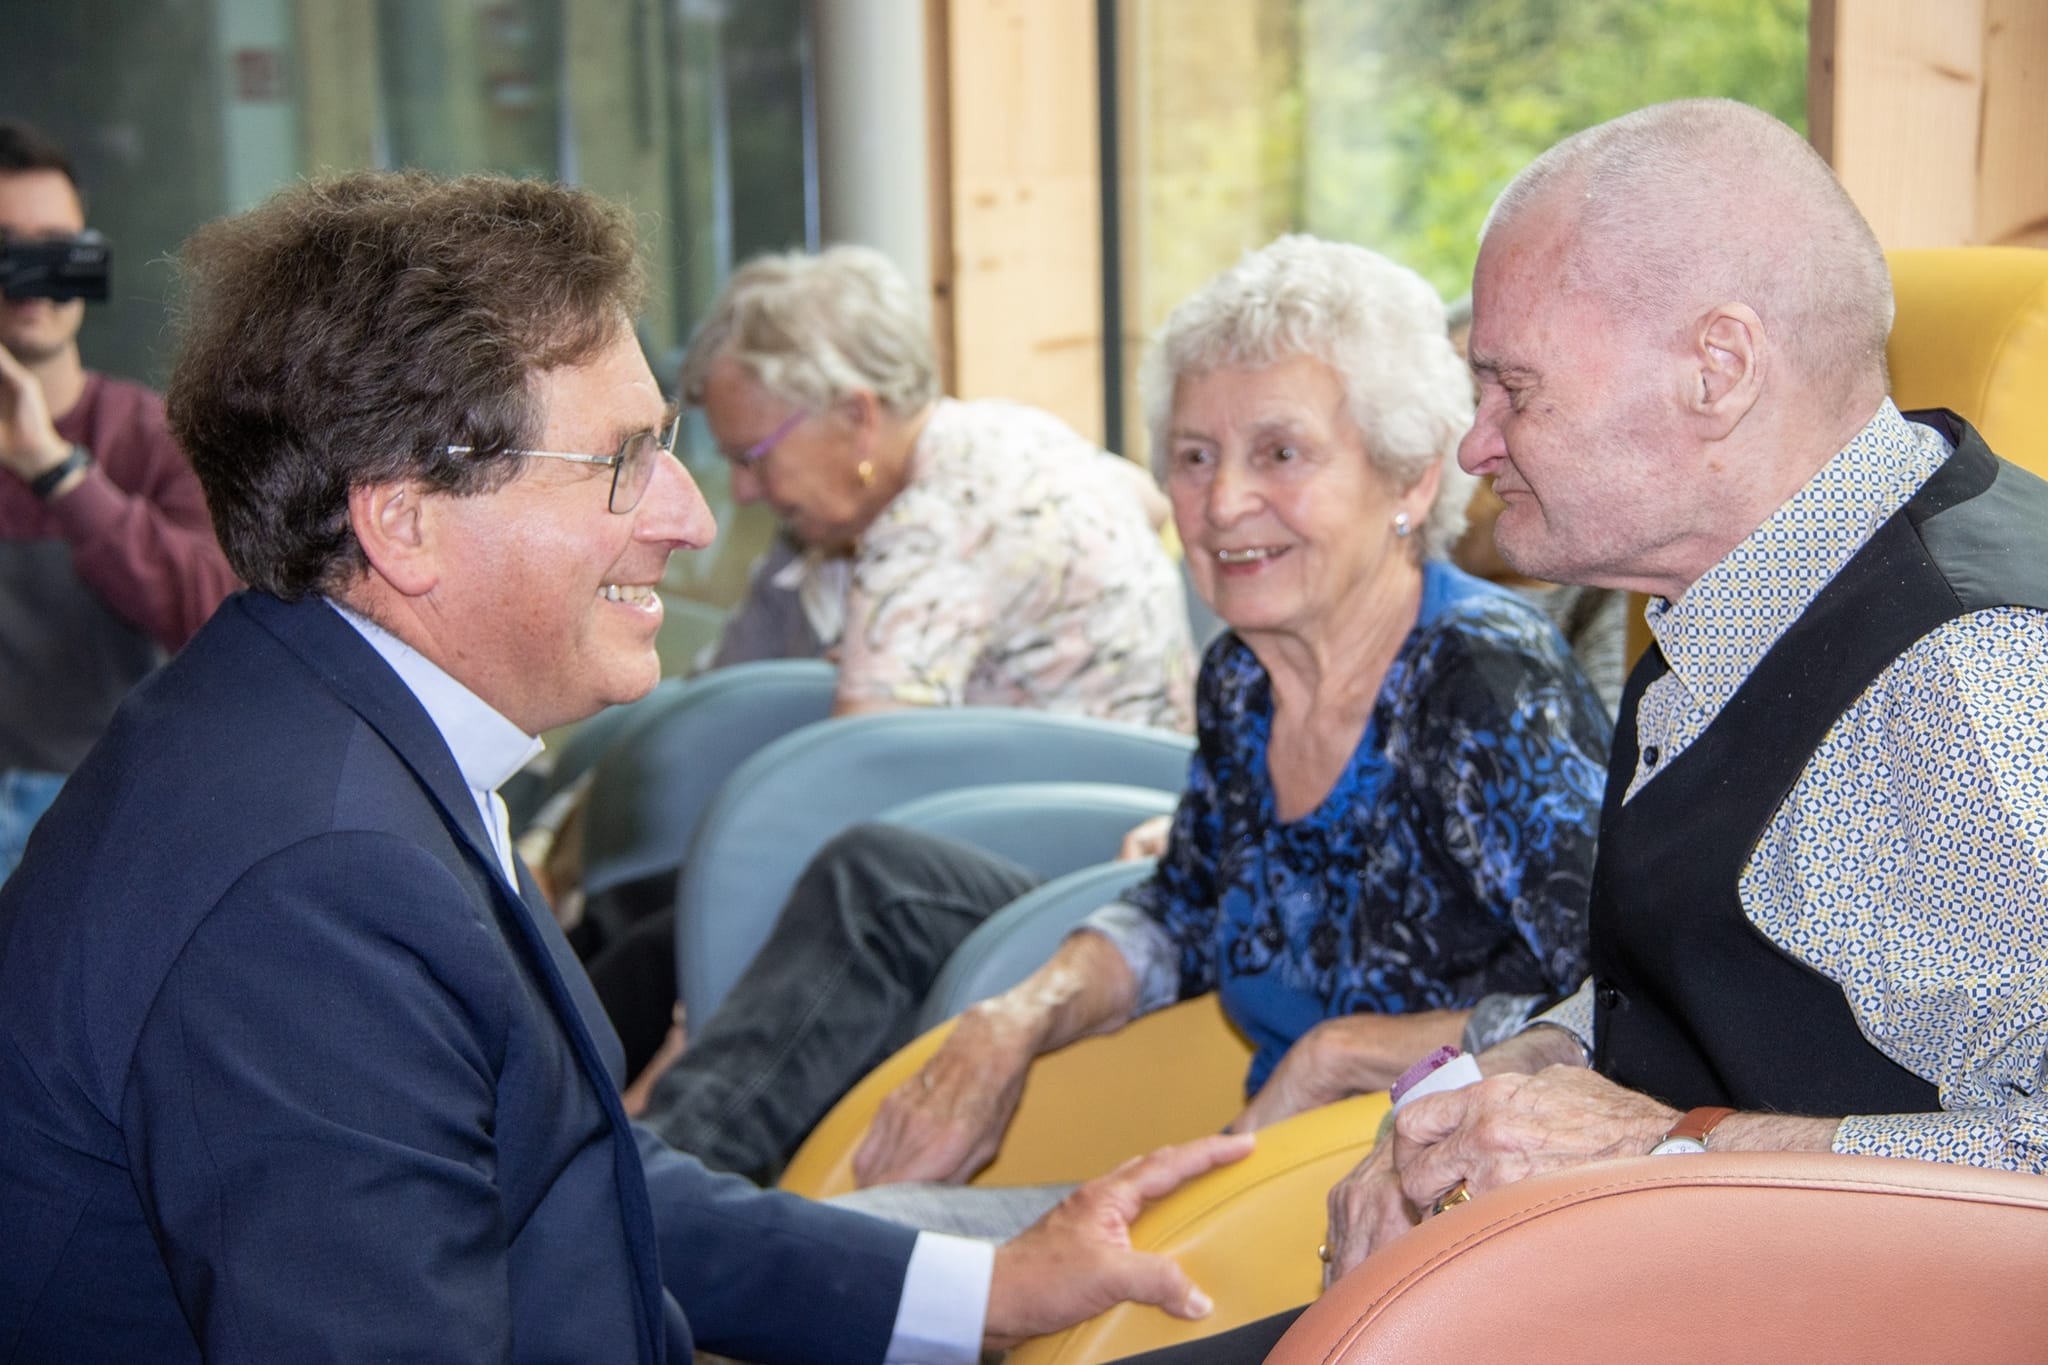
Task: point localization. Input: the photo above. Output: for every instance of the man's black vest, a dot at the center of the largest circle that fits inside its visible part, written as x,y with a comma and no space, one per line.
1692,1004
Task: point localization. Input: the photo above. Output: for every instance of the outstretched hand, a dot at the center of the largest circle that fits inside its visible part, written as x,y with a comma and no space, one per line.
1078,1260
946,1122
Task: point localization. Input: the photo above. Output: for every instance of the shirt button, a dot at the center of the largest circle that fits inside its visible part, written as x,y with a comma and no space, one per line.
1650,756
1609,997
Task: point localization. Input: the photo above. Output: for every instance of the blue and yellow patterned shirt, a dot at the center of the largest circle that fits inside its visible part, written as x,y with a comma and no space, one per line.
1909,863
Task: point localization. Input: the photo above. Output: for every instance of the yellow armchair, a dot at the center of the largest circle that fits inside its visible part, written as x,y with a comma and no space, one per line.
1972,334
1247,1233
1170,1076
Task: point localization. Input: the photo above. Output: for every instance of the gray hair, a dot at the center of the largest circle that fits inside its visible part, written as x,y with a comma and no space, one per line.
1376,324
1684,205
813,330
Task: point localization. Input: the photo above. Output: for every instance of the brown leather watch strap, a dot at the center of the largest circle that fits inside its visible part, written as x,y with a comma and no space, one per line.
1697,1123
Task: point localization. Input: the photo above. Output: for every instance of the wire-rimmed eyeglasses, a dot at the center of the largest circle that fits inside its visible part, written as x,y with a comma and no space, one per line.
632,468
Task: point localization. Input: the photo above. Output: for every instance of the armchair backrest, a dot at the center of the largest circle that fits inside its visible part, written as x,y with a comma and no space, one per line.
661,765
1758,1257
1972,334
1015,941
1047,828
779,808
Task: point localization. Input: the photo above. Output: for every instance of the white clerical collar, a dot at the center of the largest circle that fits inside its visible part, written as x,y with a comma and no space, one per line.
487,747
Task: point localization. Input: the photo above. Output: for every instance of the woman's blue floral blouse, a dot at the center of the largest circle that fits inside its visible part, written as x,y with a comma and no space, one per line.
1451,860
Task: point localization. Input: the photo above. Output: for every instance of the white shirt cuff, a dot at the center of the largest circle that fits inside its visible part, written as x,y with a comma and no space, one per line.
1574,1015
944,1309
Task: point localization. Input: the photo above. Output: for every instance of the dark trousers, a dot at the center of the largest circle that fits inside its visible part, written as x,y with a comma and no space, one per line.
834,990
1244,1345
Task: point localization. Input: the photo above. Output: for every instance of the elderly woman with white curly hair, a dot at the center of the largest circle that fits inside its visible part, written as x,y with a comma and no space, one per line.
948,552
1391,812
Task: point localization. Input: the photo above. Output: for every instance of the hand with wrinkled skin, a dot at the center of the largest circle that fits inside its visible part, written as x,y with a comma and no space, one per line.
1356,1054
1367,1207
1077,1260
1489,1134
1147,839
946,1122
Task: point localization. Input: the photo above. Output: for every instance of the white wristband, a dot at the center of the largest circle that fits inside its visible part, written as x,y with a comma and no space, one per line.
1455,1074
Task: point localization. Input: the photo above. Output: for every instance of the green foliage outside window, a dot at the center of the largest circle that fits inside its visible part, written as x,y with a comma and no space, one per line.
1416,113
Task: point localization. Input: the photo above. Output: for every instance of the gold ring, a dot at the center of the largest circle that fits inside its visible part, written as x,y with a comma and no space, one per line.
1458,1194
1323,1253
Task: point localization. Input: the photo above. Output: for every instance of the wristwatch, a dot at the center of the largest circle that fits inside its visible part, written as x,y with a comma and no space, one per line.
45,483
1689,1134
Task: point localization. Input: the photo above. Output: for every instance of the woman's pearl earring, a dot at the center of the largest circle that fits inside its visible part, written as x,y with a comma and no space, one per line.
1401,526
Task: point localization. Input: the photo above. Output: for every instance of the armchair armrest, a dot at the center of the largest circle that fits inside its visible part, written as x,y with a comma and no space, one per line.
1740,1257
1167,1077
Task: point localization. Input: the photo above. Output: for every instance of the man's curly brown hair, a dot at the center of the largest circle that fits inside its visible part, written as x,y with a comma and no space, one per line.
348,331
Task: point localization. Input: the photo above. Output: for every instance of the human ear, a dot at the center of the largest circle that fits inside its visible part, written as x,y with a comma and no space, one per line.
861,410
1420,496
1729,354
393,524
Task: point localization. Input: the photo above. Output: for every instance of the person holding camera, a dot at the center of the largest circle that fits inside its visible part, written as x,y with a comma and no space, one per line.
108,562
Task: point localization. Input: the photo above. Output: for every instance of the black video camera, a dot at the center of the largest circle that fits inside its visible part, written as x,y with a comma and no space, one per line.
57,268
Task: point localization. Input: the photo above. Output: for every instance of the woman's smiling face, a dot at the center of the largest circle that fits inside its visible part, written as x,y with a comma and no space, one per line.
1286,522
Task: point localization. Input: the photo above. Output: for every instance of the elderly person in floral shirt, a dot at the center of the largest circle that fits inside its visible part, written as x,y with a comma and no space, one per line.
946,552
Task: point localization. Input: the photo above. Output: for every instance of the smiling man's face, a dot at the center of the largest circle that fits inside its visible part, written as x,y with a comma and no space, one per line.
546,604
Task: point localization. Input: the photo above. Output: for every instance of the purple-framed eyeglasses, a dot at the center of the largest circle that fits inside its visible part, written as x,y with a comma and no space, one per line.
758,451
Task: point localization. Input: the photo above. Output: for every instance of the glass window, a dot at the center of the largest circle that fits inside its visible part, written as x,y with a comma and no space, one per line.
1392,123
696,113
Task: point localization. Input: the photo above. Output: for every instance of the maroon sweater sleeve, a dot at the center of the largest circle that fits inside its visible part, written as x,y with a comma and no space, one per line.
137,524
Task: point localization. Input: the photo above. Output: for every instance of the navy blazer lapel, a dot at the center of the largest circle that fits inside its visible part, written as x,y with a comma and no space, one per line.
339,656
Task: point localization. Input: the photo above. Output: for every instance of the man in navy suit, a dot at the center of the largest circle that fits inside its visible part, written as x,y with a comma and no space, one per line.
293,1066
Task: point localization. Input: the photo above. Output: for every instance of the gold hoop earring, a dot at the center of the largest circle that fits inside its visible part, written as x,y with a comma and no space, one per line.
865,473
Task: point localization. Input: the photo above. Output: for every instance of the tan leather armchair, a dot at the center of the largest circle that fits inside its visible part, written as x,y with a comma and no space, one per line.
1763,1257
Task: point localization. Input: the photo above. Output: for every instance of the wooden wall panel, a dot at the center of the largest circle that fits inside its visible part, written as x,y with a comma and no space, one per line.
2013,155
1931,111
1019,176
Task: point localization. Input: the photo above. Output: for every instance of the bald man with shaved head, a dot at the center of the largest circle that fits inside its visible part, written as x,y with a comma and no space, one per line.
1816,912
